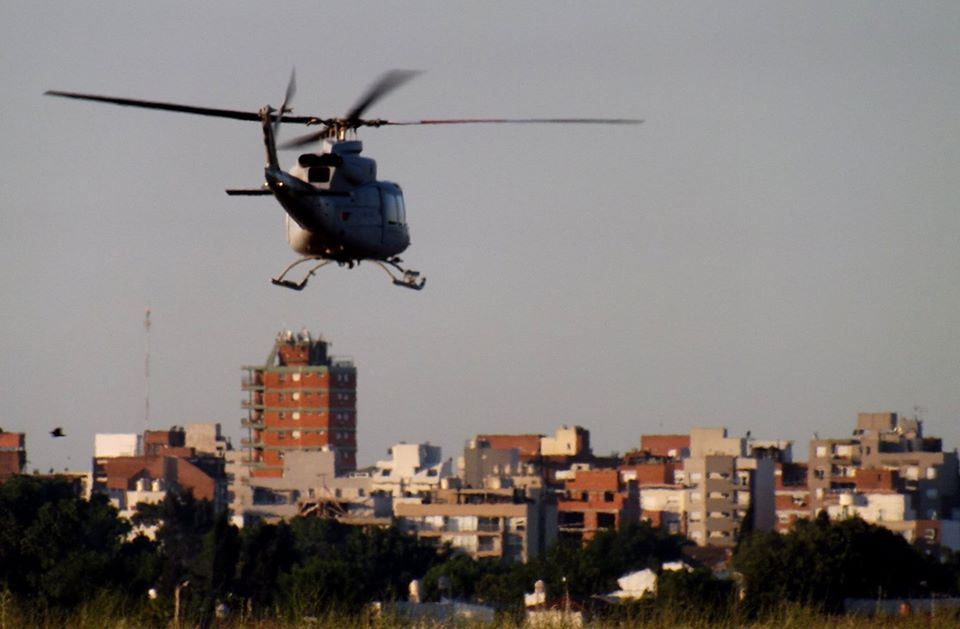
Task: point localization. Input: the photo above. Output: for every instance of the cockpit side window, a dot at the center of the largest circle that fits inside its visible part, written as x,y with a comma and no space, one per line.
401,209
393,210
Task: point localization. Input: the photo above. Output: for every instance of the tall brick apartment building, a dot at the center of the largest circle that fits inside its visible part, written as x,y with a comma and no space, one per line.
301,398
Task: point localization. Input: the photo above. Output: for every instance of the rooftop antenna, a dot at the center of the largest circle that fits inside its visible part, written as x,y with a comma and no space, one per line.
146,367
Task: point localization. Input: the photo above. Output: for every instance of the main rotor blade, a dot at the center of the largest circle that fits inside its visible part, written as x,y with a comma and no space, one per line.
302,140
187,109
383,86
401,123
291,90
317,135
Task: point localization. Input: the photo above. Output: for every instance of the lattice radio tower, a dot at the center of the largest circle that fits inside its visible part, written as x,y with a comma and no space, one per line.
146,367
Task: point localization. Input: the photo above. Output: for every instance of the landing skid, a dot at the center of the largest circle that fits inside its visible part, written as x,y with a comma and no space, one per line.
281,281
406,278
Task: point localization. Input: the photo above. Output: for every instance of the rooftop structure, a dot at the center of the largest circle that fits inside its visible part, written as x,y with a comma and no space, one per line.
884,441
308,485
413,469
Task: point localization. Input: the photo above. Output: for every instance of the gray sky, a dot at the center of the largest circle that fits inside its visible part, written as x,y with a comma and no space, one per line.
774,250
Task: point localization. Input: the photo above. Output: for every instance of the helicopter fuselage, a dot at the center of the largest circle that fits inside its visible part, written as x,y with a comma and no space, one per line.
336,208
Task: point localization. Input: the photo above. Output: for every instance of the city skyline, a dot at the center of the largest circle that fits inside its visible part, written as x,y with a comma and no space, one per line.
774,250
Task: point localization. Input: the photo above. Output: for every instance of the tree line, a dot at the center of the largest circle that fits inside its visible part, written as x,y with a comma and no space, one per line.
59,553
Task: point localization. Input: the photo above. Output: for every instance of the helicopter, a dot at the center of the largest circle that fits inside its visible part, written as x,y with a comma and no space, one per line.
336,208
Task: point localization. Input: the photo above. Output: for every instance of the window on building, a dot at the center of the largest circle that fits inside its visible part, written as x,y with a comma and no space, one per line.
572,519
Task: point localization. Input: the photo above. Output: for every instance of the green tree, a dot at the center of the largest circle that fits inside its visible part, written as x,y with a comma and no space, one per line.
56,548
819,563
266,552
182,523
694,596
213,571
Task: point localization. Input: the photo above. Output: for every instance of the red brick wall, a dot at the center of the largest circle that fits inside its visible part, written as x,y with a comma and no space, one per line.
871,479
193,479
594,480
11,440
660,445
527,445
9,464
653,473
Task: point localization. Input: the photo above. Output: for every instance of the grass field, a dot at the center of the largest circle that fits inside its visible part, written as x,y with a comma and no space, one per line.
104,614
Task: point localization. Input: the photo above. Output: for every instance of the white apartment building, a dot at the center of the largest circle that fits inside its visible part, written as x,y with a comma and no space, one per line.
413,469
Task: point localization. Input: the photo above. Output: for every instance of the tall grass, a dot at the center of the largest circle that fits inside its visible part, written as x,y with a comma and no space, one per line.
105,611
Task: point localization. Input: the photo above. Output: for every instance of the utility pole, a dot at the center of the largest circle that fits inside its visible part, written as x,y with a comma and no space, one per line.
146,367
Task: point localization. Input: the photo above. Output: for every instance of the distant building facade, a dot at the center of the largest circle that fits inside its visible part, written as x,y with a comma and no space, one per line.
13,454
548,454
132,469
888,473
594,501
309,485
507,524
412,469
729,489
300,399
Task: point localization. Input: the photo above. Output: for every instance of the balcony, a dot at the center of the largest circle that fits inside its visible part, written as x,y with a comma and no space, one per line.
251,384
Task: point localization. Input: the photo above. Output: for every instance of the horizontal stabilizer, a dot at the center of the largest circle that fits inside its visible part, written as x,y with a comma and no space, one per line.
242,192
